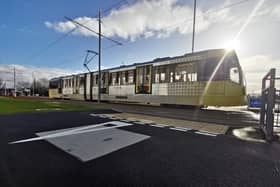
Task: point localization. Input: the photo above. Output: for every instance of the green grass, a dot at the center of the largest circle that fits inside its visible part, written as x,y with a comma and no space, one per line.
14,105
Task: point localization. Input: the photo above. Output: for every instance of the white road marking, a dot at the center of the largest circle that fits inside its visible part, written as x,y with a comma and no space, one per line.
140,123
205,133
209,132
158,125
179,129
78,130
183,128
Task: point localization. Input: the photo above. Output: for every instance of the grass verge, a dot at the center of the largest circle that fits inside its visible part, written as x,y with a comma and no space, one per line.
15,105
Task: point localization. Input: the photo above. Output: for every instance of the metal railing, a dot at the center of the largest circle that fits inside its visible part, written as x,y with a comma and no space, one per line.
270,106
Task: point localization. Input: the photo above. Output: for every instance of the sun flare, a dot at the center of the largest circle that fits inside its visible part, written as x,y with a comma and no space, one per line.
232,45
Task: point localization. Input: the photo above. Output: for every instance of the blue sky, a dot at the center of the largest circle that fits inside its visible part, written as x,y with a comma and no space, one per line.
148,29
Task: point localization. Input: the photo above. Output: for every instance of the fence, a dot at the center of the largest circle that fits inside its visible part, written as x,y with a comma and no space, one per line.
270,105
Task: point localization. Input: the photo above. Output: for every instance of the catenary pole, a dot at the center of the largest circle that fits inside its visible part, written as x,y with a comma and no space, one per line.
99,57
193,34
15,90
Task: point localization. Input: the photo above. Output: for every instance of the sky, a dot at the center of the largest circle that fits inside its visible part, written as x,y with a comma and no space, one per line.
34,40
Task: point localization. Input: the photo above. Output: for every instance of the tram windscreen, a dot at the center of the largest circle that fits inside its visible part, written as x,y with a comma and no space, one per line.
229,69
54,84
208,67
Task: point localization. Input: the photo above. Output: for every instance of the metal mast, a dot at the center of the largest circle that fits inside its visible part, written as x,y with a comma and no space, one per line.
194,15
99,57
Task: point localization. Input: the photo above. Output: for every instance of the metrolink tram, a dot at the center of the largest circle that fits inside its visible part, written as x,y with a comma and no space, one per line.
180,80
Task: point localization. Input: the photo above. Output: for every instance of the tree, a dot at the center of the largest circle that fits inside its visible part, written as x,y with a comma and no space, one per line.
23,85
1,84
2,87
41,86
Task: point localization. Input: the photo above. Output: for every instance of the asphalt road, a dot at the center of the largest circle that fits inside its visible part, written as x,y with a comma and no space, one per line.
167,158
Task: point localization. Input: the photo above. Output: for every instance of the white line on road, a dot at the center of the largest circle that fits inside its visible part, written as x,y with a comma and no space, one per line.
179,129
159,125
140,123
205,133
80,130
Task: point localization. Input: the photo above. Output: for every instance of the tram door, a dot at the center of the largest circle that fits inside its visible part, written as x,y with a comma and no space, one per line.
144,80
105,83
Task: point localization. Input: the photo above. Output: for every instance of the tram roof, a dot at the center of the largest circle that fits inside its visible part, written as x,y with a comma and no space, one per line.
157,60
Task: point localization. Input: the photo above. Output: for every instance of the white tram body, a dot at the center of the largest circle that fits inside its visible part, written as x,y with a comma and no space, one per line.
180,80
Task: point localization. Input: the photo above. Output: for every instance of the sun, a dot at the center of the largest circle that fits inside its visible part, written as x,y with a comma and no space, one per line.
232,45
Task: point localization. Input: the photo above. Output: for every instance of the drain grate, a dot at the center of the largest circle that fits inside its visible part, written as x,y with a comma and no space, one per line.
107,139
109,125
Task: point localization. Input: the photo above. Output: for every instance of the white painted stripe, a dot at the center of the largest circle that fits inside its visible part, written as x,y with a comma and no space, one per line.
183,128
164,125
209,132
157,125
80,130
205,133
140,123
93,115
179,129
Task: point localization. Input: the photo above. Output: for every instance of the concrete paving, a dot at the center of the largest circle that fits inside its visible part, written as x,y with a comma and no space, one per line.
201,126
233,117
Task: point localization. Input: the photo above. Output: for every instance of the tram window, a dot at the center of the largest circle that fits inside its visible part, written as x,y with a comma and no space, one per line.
141,79
102,78
194,77
110,78
171,77
118,78
126,76
162,77
184,75
82,79
96,79
123,78
234,75
157,78
53,84
114,81
93,80
130,77
177,76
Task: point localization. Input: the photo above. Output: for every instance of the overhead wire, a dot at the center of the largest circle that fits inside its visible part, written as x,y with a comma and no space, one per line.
142,36
65,35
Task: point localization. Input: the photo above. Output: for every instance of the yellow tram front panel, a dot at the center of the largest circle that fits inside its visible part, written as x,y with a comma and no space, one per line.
224,93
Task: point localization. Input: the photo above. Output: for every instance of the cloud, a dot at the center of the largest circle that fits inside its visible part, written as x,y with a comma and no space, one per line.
256,67
270,9
146,18
24,73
